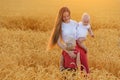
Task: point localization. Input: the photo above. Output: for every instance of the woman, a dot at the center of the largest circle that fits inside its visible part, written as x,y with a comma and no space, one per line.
64,28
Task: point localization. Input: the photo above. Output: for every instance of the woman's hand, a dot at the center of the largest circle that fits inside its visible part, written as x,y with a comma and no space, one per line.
71,54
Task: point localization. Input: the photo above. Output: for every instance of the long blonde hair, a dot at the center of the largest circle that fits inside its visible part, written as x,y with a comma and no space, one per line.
56,33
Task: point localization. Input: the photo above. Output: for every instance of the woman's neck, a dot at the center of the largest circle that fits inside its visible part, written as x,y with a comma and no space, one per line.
67,21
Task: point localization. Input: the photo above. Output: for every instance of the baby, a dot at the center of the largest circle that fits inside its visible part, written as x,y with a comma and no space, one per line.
83,29
66,62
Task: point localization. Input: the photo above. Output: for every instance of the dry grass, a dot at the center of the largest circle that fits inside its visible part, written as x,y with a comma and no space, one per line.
23,53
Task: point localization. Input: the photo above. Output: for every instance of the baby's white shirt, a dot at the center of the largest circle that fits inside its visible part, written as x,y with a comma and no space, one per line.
82,30
69,30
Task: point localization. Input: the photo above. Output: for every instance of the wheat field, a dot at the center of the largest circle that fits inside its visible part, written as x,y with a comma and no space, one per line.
23,54
23,42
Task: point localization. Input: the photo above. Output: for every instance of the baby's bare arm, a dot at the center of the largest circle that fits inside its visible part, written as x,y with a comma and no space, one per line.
91,32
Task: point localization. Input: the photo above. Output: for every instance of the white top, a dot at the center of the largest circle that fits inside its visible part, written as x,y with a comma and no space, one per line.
69,30
82,30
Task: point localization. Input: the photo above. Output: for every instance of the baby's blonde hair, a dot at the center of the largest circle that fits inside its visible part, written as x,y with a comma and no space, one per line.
70,43
85,15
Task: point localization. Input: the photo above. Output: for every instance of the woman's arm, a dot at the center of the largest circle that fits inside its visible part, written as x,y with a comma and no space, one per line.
63,47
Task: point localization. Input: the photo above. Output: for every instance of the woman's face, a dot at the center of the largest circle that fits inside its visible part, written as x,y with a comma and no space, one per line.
66,17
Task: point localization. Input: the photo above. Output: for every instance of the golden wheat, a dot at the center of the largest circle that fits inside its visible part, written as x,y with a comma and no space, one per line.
23,54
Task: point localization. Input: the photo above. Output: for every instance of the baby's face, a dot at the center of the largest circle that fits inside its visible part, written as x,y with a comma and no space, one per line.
85,20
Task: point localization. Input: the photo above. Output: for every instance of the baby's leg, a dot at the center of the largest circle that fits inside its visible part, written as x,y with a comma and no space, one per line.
81,44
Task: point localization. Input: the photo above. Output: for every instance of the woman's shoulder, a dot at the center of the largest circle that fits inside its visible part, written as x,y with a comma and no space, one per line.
73,21
80,23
